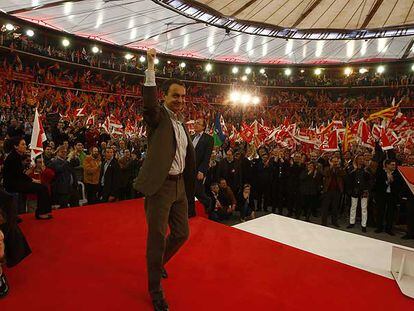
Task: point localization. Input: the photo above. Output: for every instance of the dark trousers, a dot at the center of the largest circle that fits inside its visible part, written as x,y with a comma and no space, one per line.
168,207
201,195
263,197
386,206
309,205
68,199
330,201
44,204
92,193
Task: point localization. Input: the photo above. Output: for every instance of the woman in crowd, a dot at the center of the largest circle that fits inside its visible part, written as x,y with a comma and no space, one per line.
17,181
310,187
245,203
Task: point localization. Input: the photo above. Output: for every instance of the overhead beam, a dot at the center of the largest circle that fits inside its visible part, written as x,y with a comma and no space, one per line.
244,7
371,13
408,49
39,7
306,13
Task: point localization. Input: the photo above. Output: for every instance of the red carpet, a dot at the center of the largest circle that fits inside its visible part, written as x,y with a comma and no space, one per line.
93,258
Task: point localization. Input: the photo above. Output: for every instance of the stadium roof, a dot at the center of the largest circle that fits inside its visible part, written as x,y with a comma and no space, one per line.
258,31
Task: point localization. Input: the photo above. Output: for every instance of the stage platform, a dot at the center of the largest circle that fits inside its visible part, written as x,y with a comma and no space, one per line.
359,251
93,258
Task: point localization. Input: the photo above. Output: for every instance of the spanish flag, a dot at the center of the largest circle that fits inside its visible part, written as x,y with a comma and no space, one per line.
387,113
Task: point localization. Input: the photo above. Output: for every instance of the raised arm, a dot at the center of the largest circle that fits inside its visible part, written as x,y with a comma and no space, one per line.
151,112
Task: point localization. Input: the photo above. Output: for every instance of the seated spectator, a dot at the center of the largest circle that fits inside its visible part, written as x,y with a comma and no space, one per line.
17,181
110,177
91,171
227,199
245,203
65,183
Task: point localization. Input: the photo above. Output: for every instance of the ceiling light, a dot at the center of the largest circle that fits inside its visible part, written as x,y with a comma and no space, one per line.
9,27
363,70
380,69
234,96
256,100
318,71
156,61
182,65
347,71
244,78
245,98
142,59
235,70
65,42
209,67
262,71
302,71
30,32
248,71
95,49
288,72
128,56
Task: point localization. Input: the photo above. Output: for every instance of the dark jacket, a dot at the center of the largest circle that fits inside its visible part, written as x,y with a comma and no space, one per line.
381,185
241,201
13,172
111,179
329,173
360,181
231,172
310,184
203,151
161,149
65,177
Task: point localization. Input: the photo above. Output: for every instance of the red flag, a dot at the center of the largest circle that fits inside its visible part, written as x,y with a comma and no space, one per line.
332,143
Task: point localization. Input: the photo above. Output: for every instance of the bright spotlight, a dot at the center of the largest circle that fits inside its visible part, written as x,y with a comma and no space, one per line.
262,71
95,49
65,42
9,27
128,56
245,98
302,71
235,96
248,71
235,70
347,71
380,69
256,100
156,61
209,67
318,71
29,33
182,65
168,62
142,59
288,72
244,78
363,70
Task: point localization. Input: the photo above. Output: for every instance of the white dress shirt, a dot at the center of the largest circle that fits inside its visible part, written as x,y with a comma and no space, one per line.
178,163
197,139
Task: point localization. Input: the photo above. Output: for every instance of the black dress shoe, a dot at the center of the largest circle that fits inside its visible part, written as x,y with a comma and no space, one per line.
160,305
4,287
364,229
390,232
350,226
164,273
44,217
378,231
407,237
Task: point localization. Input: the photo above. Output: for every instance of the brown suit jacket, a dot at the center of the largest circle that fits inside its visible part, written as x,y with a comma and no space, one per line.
161,149
328,175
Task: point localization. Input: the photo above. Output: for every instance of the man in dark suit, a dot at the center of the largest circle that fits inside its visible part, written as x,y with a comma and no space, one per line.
110,177
203,144
166,178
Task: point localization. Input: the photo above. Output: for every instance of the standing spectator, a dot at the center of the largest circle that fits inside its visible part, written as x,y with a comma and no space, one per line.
109,177
333,186
125,164
47,155
229,170
91,172
15,130
388,185
16,180
310,186
263,177
293,185
360,184
203,145
65,184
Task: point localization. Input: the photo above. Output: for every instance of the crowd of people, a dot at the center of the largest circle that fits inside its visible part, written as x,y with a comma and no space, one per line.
96,143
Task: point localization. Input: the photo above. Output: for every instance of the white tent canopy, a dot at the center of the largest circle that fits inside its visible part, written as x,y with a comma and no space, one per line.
144,23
